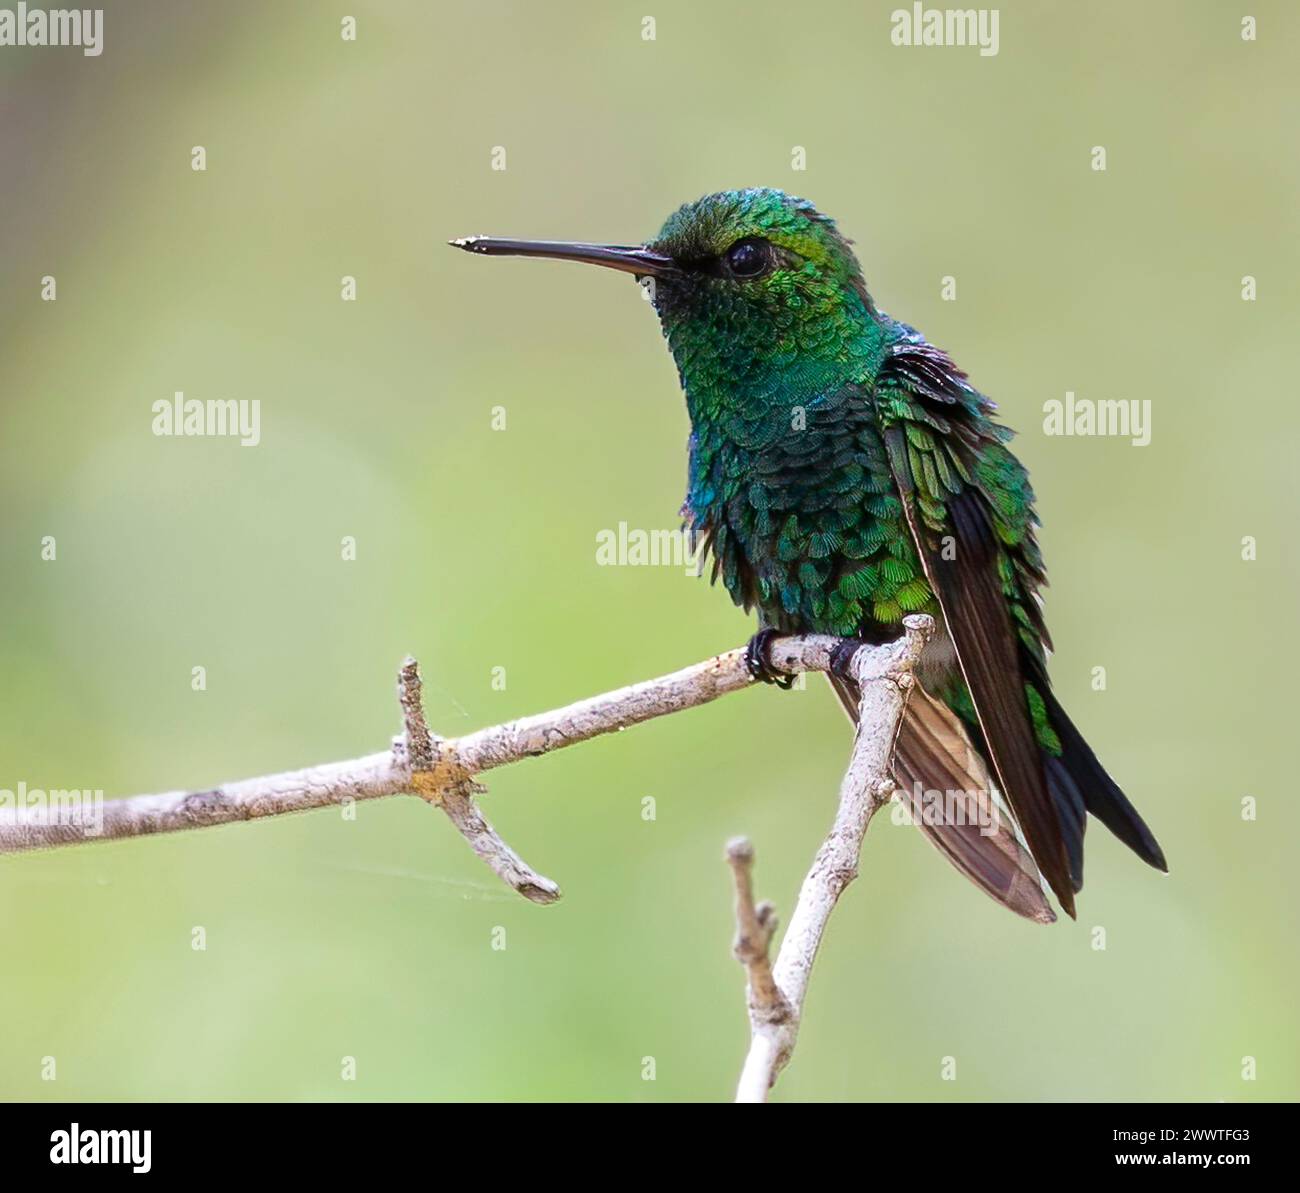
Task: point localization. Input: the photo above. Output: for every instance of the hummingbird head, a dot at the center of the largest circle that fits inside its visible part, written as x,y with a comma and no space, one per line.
766,295
757,292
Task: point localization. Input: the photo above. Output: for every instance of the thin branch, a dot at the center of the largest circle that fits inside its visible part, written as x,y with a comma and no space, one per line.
439,770
755,927
885,677
419,741
437,776
442,772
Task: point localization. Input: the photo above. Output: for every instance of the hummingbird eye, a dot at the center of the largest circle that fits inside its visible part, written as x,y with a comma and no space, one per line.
749,258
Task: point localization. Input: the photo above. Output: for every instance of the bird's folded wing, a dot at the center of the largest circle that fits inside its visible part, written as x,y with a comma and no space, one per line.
936,438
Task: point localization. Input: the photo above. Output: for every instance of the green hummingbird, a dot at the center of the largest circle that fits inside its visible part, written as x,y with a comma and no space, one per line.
844,473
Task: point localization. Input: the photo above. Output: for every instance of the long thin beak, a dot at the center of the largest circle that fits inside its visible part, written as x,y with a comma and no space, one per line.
629,259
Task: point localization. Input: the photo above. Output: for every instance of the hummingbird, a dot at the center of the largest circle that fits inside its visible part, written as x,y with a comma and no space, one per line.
843,473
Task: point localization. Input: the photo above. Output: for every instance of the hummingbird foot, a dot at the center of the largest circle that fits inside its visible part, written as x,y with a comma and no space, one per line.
758,659
842,658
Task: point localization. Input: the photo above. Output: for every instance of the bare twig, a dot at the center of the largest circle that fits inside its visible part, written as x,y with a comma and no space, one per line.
438,777
885,677
755,927
419,741
439,770
442,771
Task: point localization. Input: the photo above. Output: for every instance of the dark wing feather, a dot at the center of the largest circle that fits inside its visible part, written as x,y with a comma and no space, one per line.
919,389
980,625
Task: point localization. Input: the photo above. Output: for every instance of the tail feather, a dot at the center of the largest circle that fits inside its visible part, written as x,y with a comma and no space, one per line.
934,751
1075,777
1071,811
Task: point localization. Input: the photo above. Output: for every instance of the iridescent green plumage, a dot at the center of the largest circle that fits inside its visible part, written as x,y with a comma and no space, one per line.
844,473
789,482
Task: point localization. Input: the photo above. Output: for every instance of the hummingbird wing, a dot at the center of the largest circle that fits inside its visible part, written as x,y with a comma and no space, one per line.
973,534
933,751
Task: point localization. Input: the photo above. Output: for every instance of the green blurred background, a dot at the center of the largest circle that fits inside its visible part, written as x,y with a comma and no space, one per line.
476,548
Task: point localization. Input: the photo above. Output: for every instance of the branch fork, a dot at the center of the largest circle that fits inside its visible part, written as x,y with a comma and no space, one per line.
756,925
444,773
438,776
776,991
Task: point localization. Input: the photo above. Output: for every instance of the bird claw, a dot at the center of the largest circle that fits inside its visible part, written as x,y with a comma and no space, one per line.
758,660
841,660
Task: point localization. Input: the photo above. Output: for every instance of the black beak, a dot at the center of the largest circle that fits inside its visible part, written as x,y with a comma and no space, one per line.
638,260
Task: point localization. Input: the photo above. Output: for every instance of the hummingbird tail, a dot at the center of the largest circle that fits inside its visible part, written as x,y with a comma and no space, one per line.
1079,784
944,783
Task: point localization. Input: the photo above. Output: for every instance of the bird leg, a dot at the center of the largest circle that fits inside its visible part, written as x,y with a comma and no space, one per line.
841,661
758,660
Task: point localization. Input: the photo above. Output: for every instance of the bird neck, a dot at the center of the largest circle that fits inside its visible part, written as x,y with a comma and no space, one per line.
739,371
753,399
